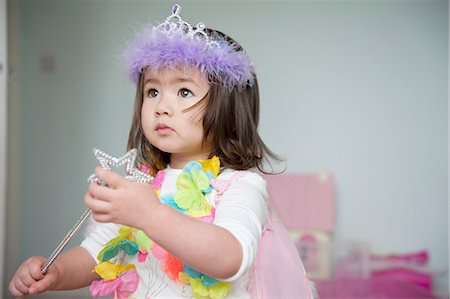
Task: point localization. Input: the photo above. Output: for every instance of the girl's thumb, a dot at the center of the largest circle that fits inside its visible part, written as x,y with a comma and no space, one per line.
44,284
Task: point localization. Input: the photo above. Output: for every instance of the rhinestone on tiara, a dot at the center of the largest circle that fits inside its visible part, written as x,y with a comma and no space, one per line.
175,24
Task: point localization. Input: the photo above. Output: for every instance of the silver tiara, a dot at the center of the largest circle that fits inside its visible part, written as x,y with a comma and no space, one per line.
175,24
177,43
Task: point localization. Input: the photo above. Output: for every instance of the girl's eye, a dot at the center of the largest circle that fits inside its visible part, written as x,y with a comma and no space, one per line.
185,93
152,93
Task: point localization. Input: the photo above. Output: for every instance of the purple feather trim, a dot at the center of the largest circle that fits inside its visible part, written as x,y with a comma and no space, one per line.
157,49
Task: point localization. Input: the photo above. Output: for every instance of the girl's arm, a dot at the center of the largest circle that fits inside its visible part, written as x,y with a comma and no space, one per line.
75,268
71,270
205,247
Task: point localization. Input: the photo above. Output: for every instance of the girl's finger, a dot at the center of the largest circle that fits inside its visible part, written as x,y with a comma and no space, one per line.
43,284
20,286
102,217
14,290
35,270
16,293
112,179
100,192
25,278
96,205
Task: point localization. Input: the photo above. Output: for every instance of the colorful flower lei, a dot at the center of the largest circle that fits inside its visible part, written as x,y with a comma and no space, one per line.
120,279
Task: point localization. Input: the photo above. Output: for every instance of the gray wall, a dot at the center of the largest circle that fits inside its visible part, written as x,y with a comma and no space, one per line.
356,88
3,134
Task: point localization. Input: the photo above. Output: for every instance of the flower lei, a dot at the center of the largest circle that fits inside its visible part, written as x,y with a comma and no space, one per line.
120,279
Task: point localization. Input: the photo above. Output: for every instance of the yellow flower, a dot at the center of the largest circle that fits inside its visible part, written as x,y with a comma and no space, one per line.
189,196
184,278
110,271
217,291
198,290
212,165
126,232
143,241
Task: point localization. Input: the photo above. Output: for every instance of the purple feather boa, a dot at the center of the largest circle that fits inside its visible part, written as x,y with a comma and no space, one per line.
158,49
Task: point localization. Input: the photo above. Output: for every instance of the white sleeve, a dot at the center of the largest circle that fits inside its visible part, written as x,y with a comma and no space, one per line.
242,211
97,235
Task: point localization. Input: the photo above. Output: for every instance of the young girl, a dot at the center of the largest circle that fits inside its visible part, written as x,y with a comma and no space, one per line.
195,231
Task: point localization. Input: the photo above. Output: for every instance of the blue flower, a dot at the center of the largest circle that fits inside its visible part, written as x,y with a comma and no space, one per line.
167,199
205,279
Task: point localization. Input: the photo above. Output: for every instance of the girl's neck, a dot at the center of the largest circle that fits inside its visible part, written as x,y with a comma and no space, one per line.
178,161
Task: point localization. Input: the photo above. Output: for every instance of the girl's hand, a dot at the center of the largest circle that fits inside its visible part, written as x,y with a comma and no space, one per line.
122,201
29,280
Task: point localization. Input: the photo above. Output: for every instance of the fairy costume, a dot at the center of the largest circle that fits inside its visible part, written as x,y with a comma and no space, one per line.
157,272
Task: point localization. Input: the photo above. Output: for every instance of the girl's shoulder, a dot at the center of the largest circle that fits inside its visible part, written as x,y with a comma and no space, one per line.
228,173
246,189
243,178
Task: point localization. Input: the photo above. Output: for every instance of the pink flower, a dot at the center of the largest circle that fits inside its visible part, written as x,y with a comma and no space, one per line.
159,252
142,256
159,178
121,287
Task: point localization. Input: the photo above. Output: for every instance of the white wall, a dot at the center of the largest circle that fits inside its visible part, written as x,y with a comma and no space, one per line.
358,88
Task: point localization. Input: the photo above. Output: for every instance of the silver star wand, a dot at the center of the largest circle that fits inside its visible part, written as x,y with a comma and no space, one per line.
106,161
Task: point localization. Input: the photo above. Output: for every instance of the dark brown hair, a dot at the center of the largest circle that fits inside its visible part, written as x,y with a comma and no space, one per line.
230,124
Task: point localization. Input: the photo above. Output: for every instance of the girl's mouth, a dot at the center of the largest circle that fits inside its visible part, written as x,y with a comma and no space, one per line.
163,129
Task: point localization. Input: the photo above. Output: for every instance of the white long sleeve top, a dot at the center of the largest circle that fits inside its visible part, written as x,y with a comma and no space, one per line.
242,210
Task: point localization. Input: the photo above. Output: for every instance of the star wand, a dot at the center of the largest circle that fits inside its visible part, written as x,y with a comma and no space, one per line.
106,162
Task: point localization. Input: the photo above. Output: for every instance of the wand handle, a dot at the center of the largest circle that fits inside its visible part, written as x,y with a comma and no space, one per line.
65,240
106,161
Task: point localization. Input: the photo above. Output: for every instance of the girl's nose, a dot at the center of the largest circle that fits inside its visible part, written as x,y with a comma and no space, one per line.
164,106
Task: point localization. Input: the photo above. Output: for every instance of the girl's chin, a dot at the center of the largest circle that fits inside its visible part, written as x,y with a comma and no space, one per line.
165,149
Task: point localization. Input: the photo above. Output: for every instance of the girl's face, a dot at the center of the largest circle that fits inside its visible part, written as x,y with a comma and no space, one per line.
167,122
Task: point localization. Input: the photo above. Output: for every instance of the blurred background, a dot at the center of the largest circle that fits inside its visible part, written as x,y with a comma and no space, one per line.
356,91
